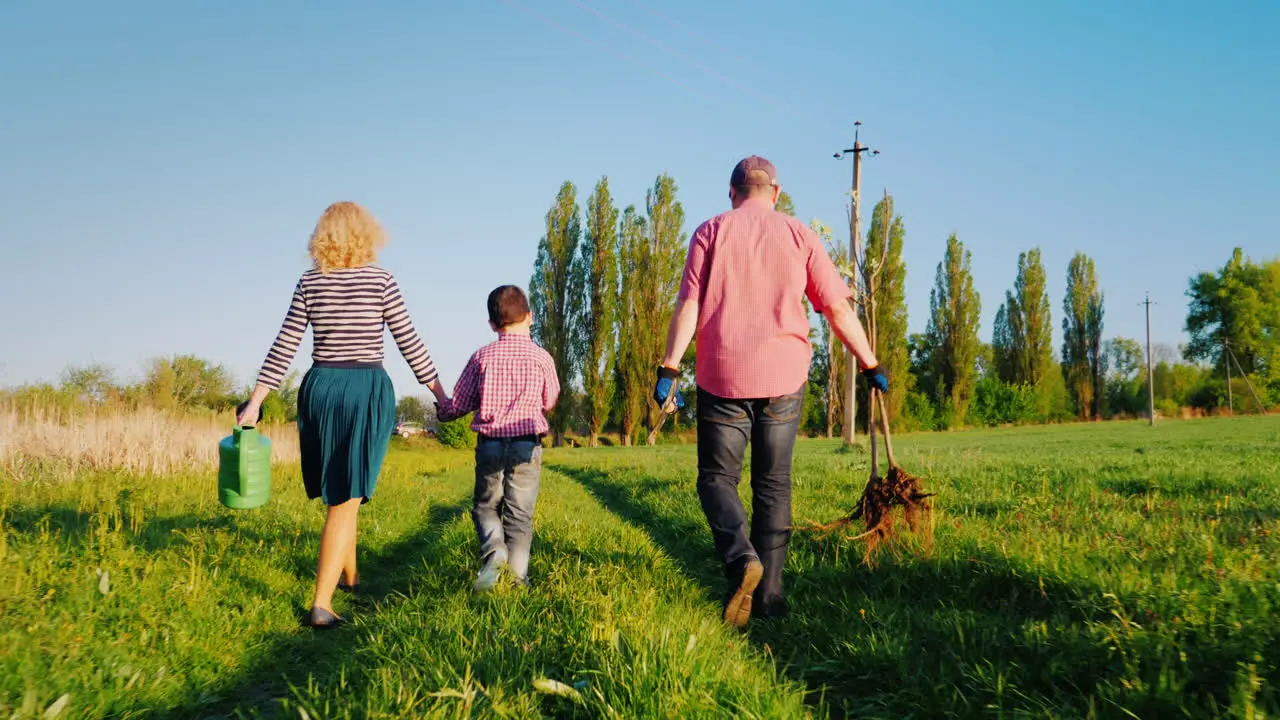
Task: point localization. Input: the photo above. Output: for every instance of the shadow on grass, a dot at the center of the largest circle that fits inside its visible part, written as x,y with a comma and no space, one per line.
77,526
969,633
322,657
1200,489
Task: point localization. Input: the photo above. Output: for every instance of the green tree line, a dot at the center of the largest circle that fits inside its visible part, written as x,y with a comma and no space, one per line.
604,286
603,292
176,383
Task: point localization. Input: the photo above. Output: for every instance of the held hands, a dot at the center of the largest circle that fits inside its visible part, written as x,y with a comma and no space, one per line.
443,410
876,378
442,398
437,389
662,389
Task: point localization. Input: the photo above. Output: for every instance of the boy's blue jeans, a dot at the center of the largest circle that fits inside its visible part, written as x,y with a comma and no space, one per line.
508,473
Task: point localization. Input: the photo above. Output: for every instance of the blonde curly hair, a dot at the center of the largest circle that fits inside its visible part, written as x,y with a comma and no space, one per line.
346,236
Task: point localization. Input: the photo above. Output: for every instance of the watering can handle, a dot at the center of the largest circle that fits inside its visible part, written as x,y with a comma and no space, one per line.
244,459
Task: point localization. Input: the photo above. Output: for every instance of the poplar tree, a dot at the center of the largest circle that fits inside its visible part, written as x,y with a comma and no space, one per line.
953,331
891,303
1030,323
1002,344
552,297
596,277
633,375
1082,337
659,270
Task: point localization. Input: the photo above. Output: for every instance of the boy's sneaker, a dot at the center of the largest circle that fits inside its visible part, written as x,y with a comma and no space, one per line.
737,611
492,570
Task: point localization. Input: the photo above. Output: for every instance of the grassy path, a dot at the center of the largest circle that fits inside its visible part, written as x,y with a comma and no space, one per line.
200,617
1105,571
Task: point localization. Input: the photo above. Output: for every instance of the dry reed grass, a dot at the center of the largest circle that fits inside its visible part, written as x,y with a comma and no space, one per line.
43,443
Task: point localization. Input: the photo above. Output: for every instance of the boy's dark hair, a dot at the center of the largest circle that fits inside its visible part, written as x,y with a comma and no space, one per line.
507,306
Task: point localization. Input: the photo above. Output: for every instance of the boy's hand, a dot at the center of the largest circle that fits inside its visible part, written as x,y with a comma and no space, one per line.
662,388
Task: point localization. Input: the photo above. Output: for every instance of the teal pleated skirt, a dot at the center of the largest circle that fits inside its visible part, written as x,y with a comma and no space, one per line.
346,414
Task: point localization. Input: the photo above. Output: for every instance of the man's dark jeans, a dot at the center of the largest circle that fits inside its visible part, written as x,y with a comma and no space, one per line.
724,429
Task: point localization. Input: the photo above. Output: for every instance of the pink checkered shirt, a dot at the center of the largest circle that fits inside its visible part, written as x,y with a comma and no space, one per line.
748,269
509,384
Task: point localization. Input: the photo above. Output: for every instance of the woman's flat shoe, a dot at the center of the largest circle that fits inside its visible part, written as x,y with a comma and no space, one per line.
353,589
322,619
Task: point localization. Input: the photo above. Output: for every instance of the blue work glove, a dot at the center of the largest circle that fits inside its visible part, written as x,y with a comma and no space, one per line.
662,389
876,378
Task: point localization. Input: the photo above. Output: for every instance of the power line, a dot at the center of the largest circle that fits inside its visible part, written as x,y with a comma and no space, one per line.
679,26
610,49
677,54
815,106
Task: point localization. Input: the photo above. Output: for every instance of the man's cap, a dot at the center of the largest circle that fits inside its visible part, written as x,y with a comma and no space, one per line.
753,170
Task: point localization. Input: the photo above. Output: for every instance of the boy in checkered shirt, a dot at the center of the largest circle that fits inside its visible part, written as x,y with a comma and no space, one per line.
510,385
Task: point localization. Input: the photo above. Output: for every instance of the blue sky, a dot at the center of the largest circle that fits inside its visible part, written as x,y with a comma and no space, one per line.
164,163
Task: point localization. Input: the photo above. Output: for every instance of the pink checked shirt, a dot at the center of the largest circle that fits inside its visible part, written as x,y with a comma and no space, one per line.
748,269
508,384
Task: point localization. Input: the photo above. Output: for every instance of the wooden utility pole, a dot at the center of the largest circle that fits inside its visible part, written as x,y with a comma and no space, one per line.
1226,360
1231,358
855,260
1151,393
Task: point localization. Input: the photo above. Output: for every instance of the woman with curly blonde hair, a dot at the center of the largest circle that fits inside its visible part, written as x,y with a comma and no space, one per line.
346,404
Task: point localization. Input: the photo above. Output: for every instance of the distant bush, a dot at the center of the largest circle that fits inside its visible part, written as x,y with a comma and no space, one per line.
44,398
998,403
1054,400
457,434
181,384
813,417
1205,396
919,414
1168,408
947,417
683,436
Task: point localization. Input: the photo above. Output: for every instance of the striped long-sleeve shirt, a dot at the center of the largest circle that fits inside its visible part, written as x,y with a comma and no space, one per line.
347,310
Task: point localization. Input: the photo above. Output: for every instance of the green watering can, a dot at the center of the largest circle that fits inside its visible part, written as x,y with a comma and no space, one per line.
244,468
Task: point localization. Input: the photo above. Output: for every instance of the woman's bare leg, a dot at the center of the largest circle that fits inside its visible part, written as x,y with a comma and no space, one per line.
349,573
337,544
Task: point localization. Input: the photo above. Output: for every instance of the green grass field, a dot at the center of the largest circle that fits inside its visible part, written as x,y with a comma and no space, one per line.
1108,570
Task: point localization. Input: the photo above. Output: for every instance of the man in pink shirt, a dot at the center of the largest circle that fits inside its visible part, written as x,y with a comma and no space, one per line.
746,272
